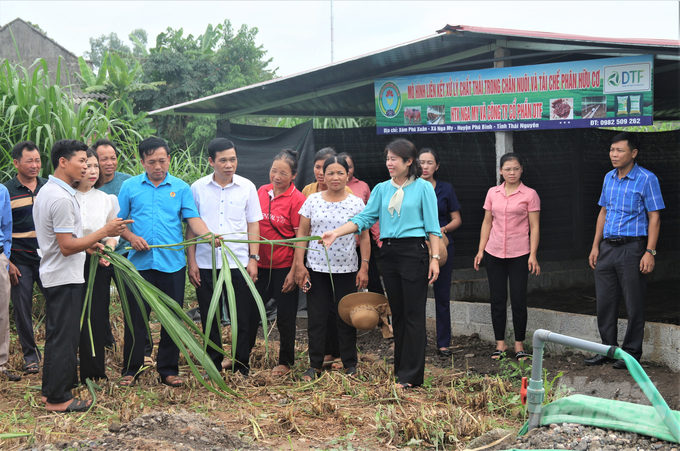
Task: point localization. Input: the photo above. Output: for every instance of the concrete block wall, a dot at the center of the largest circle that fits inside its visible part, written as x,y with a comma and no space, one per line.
661,341
468,284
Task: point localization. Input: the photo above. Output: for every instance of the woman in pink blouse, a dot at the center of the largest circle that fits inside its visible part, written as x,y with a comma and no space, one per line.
508,243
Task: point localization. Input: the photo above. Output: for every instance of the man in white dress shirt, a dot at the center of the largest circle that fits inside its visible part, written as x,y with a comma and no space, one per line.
229,206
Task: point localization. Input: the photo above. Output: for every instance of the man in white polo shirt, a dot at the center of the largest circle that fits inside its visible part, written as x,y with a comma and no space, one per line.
227,203
58,227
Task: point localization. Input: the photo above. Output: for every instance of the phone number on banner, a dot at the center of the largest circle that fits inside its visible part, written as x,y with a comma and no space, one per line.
515,126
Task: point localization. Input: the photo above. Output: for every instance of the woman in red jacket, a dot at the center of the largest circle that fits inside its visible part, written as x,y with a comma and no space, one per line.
280,201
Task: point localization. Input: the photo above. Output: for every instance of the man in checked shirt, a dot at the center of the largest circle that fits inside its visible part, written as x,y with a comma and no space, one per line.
624,246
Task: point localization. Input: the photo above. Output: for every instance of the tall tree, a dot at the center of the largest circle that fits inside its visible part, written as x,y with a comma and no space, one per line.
218,60
105,44
139,39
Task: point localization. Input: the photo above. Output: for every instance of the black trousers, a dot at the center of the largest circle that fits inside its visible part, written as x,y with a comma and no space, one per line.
246,315
500,271
617,275
63,305
322,308
204,294
374,284
405,263
167,359
92,365
22,302
286,310
442,299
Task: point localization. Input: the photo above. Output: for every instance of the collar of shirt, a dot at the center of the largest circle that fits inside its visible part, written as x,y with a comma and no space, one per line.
235,180
520,188
145,179
17,184
439,186
631,175
286,193
64,185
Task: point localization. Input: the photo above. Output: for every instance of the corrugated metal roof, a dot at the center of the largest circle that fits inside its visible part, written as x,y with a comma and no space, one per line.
345,88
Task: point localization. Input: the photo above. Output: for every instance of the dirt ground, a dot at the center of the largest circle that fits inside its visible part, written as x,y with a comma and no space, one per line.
471,353
172,428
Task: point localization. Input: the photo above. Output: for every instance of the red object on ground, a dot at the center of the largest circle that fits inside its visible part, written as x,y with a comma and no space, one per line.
523,391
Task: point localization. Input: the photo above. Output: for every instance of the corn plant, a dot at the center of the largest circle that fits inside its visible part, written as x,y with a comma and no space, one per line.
33,108
183,331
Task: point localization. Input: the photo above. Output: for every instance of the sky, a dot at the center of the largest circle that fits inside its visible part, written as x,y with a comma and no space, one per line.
297,34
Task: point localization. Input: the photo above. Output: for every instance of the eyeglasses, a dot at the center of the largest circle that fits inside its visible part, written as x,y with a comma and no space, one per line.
516,169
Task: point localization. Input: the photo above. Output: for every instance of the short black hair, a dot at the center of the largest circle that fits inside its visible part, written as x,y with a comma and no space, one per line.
91,152
149,146
434,153
18,149
342,161
405,149
324,153
105,142
627,136
290,157
65,148
511,156
219,145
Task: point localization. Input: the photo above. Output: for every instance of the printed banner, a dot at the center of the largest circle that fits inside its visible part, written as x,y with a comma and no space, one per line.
612,92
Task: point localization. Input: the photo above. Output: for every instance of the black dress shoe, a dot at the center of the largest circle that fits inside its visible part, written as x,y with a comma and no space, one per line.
620,365
10,376
597,360
444,352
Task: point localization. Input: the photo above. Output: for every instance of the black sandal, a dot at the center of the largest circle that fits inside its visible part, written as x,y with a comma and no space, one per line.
498,355
31,367
76,405
310,374
522,356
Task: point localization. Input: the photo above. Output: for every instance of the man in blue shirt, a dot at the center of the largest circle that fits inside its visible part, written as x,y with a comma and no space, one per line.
158,203
5,246
624,246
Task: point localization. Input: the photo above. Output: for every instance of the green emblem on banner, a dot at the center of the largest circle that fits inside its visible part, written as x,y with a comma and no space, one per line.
390,99
614,79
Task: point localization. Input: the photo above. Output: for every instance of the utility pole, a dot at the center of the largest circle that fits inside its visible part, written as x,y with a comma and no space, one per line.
332,56
504,139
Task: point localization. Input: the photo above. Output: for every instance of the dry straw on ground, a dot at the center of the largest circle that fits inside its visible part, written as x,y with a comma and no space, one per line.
367,411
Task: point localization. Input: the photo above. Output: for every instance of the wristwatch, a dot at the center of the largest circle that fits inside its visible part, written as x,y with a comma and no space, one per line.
255,257
652,251
436,256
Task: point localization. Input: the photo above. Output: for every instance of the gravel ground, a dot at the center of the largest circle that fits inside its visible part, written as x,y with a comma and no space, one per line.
571,436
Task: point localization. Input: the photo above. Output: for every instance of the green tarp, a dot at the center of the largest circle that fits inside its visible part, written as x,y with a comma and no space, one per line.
607,413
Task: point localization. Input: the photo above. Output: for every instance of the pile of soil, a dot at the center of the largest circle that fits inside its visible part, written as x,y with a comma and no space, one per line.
161,431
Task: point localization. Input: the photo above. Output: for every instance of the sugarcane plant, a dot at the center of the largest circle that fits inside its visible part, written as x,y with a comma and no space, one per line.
182,329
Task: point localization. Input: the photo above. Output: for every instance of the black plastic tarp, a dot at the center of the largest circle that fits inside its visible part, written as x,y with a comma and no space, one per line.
565,167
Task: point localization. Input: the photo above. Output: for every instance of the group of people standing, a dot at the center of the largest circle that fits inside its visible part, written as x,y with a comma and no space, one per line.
87,205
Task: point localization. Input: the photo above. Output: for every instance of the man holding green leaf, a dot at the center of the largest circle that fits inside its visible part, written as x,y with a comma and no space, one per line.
229,205
158,203
59,230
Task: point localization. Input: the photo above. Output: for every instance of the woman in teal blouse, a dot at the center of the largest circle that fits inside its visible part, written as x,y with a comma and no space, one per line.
406,206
